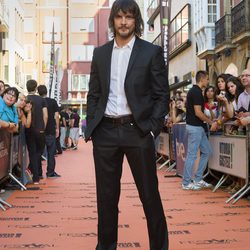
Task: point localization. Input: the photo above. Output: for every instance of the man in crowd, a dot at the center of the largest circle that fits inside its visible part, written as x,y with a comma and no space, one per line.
126,105
64,118
74,128
51,131
197,139
35,136
244,98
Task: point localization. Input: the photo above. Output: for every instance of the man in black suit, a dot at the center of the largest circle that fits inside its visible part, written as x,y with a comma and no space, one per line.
126,105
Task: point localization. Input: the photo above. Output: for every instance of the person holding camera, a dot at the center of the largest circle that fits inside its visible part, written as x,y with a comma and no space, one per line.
177,110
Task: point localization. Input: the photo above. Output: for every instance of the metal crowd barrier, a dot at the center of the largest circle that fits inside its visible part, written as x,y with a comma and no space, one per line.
230,156
164,149
13,152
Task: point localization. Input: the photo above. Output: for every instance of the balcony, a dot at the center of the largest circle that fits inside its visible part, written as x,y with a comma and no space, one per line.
205,38
157,40
4,17
223,30
241,22
153,10
223,34
47,36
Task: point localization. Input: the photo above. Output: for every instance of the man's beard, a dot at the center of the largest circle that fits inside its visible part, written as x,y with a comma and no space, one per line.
125,34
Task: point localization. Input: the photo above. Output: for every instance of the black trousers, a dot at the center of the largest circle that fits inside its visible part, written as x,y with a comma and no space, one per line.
50,142
111,143
35,144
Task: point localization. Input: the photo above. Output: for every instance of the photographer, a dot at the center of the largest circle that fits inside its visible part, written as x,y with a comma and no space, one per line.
177,110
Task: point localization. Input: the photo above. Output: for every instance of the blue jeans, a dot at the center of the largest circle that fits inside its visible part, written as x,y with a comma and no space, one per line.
197,139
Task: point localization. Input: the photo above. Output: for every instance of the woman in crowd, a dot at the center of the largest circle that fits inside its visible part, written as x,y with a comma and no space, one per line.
177,110
8,112
24,108
220,85
225,110
211,105
234,88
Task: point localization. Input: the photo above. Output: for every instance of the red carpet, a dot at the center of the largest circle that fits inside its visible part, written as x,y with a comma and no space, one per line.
62,214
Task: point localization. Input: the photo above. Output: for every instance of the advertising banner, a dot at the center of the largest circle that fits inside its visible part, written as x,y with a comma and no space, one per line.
4,152
163,144
180,138
180,145
230,155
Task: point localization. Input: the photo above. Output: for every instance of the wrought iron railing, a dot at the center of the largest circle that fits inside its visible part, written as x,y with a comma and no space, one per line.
154,4
240,18
223,30
157,40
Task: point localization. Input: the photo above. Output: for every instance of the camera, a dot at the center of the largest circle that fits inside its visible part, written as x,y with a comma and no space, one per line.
222,93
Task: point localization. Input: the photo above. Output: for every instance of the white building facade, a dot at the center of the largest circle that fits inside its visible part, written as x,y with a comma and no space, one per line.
12,40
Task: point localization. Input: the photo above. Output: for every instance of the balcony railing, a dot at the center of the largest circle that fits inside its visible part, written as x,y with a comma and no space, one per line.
152,7
4,16
157,40
240,18
223,30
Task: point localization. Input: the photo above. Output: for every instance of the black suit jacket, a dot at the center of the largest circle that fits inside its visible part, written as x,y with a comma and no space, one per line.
146,86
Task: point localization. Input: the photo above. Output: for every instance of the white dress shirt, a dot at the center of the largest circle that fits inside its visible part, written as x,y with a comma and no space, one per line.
117,102
244,100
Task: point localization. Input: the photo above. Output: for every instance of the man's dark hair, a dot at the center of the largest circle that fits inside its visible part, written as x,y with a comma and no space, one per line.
126,6
42,90
200,74
31,85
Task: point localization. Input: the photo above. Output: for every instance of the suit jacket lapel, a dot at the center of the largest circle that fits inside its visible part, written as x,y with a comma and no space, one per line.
107,61
133,56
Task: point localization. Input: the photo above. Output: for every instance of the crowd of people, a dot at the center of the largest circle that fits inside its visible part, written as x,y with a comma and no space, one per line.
206,109
48,129
226,100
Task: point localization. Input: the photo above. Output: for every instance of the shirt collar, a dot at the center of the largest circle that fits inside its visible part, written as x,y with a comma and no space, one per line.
130,44
245,91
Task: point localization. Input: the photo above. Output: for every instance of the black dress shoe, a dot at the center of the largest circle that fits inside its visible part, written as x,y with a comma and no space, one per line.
54,175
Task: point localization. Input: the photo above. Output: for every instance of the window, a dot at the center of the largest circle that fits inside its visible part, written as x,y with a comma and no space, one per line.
52,3
80,82
212,11
82,52
82,24
47,55
28,52
47,34
28,77
180,29
28,24
6,73
83,1
111,3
